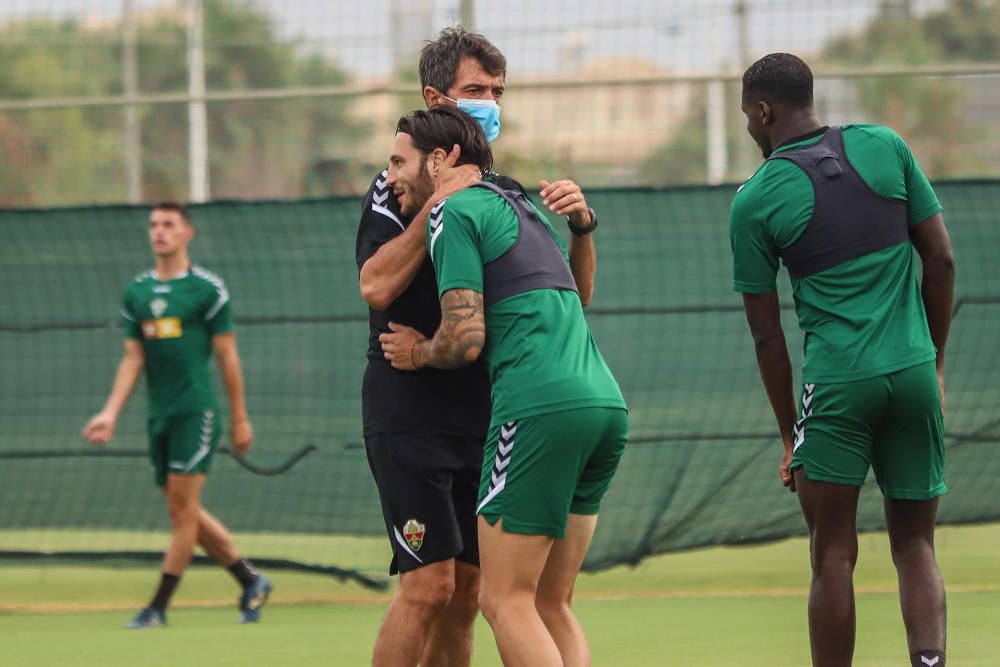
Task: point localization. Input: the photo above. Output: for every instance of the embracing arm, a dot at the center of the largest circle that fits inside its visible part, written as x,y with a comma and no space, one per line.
388,272
583,264
764,317
458,341
392,268
240,432
460,338
566,198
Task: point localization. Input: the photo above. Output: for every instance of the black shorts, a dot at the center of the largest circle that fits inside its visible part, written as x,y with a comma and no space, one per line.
428,485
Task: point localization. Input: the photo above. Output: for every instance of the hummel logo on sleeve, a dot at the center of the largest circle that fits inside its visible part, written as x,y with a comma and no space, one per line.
380,197
381,192
436,223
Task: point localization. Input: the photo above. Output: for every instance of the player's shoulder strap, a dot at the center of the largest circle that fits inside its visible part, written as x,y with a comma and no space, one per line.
534,261
506,183
849,219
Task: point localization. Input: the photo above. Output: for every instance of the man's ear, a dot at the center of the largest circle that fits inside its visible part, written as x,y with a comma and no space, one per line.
434,160
433,96
766,113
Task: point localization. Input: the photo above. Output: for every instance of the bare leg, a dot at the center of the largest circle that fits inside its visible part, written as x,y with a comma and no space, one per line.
555,590
512,565
184,503
420,598
831,513
450,641
216,540
921,589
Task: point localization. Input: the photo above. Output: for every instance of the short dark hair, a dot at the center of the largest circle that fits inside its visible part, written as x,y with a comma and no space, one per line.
176,208
443,127
440,57
780,77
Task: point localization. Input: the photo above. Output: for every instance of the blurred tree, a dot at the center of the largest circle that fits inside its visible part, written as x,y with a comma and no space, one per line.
931,113
257,149
61,151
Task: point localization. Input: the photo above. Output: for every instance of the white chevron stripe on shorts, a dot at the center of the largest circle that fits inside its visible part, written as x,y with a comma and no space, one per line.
799,430
498,478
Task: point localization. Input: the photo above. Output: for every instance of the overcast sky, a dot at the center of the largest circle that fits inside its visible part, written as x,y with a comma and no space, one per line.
537,36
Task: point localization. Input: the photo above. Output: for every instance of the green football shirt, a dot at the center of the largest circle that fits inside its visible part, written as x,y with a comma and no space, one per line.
175,320
539,350
864,317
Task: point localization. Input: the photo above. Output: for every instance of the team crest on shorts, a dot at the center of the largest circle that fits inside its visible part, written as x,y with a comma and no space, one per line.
413,532
158,306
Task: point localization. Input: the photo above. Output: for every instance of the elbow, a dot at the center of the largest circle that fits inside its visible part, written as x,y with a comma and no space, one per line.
586,297
946,262
940,268
377,299
767,337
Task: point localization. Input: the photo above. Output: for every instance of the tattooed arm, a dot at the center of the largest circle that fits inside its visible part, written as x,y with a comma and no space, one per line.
458,341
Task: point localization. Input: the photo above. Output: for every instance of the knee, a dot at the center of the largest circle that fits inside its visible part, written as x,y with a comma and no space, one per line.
494,603
489,604
835,557
465,599
909,552
183,509
552,610
428,592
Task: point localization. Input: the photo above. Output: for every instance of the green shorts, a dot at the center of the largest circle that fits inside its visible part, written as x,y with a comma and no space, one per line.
538,470
890,422
183,444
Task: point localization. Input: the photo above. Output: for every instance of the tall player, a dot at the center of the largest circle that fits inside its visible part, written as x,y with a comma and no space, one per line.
844,208
176,315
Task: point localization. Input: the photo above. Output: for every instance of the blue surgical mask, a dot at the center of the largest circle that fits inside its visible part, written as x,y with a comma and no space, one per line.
486,113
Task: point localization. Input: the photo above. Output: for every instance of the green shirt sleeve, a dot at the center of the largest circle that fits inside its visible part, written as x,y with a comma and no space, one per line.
132,327
755,259
453,242
218,312
921,202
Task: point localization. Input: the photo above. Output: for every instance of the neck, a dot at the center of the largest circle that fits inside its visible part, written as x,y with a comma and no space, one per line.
171,266
798,123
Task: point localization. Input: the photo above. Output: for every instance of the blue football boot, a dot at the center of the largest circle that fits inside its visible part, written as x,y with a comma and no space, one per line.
254,598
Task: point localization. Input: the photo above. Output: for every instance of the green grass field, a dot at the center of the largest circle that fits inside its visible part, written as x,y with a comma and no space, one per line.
724,606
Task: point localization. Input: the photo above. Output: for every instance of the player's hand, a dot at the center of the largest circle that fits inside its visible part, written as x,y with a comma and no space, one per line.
449,179
398,346
784,469
241,435
100,429
566,198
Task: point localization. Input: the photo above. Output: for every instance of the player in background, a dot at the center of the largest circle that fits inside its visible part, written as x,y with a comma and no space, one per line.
424,431
558,421
844,208
176,315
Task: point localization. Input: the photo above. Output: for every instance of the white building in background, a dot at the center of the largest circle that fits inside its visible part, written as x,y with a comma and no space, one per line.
617,122
610,114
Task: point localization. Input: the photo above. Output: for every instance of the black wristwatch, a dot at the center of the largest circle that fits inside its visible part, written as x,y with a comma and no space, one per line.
583,231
